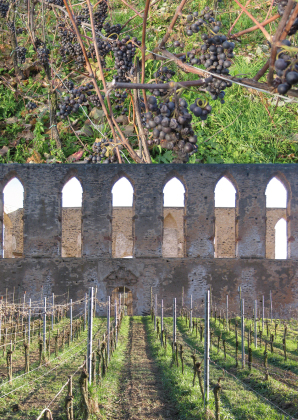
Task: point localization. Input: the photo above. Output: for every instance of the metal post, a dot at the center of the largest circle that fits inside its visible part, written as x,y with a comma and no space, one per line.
116,321
29,321
271,305
53,310
242,334
239,290
155,312
161,323
85,311
108,326
256,313
90,327
190,320
207,348
44,323
263,312
227,313
174,322
70,309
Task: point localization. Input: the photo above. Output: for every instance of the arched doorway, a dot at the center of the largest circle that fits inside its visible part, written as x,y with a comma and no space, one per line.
126,299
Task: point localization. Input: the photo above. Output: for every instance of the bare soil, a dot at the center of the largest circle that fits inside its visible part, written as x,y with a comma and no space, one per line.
141,395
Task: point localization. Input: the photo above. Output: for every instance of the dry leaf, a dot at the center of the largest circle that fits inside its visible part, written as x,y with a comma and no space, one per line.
26,134
4,151
35,158
76,156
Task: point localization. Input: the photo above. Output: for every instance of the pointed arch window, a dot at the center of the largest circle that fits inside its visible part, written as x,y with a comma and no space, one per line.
225,219
276,220
13,225
122,219
173,213
71,245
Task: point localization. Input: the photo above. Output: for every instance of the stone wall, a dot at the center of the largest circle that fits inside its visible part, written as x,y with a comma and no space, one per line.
71,245
13,234
272,217
173,232
225,233
42,263
122,232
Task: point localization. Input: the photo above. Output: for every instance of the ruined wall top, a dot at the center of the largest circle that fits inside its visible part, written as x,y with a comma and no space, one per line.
42,206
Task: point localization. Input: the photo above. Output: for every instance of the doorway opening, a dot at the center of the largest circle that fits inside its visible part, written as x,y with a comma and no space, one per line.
126,299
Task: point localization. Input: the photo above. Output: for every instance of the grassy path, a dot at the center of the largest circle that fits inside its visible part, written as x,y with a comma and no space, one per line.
140,394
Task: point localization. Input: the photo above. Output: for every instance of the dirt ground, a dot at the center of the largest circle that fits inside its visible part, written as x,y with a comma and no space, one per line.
141,395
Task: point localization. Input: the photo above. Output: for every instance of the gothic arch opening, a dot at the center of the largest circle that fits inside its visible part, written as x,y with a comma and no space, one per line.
173,225
122,219
126,299
225,219
71,242
276,220
13,225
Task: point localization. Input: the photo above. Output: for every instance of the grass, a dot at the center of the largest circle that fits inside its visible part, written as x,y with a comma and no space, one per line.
245,395
251,382
35,390
250,127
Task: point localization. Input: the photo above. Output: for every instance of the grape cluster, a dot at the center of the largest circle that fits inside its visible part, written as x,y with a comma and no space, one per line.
102,152
55,2
104,47
118,98
124,51
83,16
100,15
171,125
31,106
77,97
4,6
281,5
215,54
19,31
112,31
194,22
163,75
11,26
69,48
216,87
43,54
178,44
21,54
286,70
69,85
94,100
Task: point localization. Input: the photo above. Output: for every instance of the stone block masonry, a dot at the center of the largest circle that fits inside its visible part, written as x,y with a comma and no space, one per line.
198,269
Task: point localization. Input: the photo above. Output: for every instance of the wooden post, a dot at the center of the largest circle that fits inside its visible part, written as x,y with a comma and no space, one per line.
90,334
85,312
174,323
71,338
155,312
190,319
263,311
108,327
206,348
271,305
256,335
69,400
53,310
44,323
161,323
242,334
